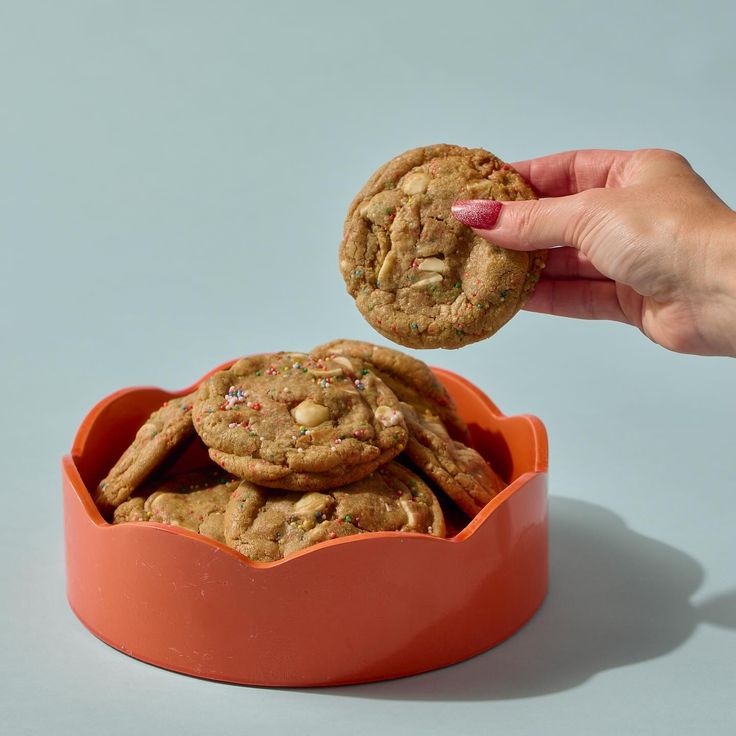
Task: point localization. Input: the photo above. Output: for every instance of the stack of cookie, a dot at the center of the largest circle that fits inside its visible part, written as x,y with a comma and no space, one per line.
348,439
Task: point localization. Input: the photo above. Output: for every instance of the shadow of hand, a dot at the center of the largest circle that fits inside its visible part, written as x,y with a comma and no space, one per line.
616,597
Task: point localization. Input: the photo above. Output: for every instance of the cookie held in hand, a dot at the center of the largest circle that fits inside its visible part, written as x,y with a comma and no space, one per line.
420,277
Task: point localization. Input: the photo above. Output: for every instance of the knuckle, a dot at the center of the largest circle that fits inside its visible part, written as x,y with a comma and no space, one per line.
664,155
588,218
527,218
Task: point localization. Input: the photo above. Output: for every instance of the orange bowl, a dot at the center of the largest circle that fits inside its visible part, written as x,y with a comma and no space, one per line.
355,609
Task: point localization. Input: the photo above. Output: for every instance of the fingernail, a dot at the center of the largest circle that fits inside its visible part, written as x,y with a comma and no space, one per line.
478,213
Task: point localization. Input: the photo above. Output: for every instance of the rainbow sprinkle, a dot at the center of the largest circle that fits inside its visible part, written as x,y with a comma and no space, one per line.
233,397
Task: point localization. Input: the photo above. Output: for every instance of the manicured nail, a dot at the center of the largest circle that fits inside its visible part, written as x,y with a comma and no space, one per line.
478,213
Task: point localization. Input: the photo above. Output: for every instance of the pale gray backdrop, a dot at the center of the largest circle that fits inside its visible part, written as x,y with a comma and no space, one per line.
173,179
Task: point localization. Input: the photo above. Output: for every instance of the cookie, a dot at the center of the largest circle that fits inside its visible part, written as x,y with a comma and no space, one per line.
457,469
266,525
410,379
290,421
194,501
166,429
420,277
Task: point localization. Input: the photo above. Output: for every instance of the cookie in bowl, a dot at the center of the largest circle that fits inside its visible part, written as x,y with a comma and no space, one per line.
457,469
165,430
412,380
266,525
194,501
299,422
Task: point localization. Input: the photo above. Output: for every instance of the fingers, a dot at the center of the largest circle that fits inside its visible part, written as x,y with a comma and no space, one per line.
584,299
573,171
534,224
568,263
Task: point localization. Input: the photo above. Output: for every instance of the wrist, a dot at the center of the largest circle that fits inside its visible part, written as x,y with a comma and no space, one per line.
721,292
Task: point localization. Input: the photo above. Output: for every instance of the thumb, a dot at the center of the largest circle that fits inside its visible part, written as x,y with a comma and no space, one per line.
532,224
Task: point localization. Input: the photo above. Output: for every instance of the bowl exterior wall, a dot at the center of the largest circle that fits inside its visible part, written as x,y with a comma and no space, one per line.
355,609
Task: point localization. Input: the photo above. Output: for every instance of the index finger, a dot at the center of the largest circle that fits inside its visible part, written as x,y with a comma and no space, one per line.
571,172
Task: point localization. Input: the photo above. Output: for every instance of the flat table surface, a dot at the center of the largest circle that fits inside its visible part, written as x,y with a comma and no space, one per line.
173,180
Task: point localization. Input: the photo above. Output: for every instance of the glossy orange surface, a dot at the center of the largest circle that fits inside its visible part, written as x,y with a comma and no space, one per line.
354,609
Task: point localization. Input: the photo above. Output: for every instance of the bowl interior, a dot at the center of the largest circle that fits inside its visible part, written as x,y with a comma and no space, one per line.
515,446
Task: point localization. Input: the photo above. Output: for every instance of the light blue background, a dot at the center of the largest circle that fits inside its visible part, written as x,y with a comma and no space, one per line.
173,179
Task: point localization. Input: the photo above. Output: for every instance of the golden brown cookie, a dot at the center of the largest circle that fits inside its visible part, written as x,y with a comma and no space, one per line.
166,429
410,379
266,525
194,501
457,469
291,421
420,277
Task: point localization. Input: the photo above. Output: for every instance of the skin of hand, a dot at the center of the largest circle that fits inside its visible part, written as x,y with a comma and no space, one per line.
634,236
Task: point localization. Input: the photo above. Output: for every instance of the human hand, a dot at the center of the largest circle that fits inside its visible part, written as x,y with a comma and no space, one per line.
644,241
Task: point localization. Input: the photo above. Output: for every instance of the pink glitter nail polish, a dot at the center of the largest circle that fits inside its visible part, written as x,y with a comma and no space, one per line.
478,213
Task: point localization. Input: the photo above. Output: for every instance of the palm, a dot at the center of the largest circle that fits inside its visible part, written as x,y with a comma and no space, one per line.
668,323
627,263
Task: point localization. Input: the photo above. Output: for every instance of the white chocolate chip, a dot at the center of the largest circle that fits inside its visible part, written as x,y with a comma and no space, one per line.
387,267
426,420
436,265
387,416
342,360
426,278
325,373
410,510
363,211
310,503
312,508
415,183
310,414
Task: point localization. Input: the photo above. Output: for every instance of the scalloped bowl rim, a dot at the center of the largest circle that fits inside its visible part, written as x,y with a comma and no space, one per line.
87,428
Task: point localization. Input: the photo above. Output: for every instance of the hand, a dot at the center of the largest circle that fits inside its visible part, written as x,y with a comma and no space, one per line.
644,241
